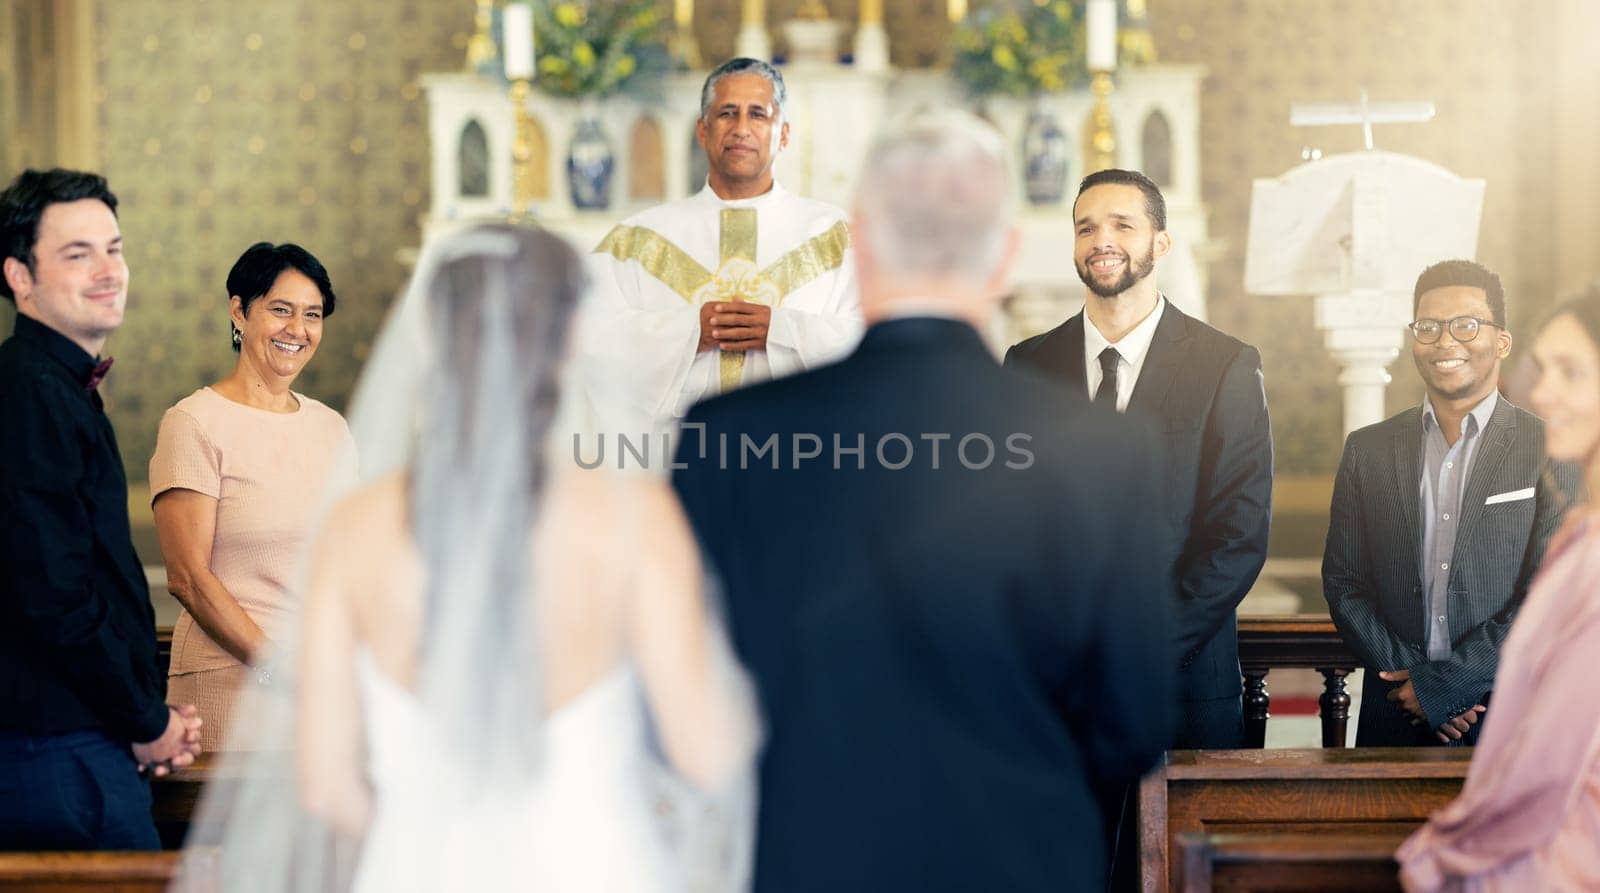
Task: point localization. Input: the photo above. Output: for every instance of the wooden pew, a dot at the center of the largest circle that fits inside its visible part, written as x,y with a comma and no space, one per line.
164,648
176,796
1270,862
135,872
1373,791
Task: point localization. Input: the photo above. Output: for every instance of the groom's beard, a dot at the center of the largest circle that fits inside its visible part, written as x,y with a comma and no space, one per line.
1132,273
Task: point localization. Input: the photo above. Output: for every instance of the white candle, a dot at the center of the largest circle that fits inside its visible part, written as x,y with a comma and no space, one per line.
1102,35
517,24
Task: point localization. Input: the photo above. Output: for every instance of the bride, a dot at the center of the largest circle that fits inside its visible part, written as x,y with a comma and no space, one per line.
508,675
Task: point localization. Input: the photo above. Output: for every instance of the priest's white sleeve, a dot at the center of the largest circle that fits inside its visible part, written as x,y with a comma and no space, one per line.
637,343
803,337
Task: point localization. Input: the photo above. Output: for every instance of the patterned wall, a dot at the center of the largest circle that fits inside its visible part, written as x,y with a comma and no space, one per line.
1507,86
302,120
224,124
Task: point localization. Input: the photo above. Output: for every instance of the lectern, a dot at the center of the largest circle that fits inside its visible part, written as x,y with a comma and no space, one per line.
1354,231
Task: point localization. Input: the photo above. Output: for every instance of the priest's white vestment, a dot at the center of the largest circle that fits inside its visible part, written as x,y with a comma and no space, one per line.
653,272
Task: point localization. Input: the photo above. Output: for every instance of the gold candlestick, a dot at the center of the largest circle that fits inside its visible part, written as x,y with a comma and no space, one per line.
1102,135
754,12
871,12
527,165
684,45
481,51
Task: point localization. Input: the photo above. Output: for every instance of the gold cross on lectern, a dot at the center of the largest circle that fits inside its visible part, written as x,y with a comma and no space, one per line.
737,278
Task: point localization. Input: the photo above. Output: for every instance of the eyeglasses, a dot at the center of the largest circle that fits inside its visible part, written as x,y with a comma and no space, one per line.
1462,328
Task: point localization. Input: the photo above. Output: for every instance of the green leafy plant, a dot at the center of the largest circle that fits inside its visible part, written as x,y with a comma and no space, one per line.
1021,48
596,47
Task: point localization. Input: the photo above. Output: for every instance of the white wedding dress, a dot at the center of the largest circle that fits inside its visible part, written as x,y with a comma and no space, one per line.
585,823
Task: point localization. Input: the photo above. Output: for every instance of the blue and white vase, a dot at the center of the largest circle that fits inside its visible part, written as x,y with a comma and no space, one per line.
590,164
1044,157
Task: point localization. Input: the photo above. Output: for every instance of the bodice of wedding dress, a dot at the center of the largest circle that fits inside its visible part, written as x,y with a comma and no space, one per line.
585,822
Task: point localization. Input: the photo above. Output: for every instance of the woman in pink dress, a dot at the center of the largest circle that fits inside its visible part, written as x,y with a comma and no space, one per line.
1529,816
239,471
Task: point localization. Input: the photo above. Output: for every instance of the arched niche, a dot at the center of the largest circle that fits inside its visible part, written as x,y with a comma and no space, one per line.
472,161
1155,148
646,161
699,168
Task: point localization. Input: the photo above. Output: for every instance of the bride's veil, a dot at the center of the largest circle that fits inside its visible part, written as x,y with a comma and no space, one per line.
468,396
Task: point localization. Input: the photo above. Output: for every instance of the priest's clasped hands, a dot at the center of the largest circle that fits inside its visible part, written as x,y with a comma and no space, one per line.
734,325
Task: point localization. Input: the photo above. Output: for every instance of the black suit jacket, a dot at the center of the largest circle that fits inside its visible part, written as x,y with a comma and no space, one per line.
1204,391
949,653
1372,578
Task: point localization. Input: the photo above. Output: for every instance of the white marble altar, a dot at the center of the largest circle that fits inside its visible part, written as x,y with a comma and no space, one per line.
834,111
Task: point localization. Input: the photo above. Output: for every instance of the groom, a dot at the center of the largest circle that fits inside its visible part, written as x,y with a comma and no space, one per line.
935,576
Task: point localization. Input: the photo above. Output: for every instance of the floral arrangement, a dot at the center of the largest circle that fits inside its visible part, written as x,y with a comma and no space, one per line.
1021,48
595,47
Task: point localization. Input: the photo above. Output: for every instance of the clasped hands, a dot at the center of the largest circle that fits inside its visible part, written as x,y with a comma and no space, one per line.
178,745
1452,729
733,325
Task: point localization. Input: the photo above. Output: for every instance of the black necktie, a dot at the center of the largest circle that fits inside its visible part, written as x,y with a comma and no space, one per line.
1107,393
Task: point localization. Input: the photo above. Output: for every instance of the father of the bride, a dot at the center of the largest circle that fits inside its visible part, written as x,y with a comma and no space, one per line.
927,567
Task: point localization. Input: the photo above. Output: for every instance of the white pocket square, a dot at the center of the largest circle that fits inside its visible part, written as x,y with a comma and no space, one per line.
1510,496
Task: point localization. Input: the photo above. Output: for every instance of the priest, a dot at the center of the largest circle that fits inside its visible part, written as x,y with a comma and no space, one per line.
736,284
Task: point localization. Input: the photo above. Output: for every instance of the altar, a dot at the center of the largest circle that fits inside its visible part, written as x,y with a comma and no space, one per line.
499,151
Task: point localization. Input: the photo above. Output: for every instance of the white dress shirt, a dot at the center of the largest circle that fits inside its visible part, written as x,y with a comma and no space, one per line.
1133,347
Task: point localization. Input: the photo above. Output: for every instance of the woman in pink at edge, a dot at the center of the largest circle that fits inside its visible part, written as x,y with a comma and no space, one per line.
1528,818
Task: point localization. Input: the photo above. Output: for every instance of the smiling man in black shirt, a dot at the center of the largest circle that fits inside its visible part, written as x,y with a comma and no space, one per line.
82,701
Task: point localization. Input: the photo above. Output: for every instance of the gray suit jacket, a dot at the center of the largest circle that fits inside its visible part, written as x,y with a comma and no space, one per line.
1370,571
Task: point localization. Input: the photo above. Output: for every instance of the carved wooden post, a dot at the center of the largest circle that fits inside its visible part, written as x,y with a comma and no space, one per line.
1335,704
1256,706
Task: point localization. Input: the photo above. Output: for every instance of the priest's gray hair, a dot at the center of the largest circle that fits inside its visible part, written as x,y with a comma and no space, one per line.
936,197
745,65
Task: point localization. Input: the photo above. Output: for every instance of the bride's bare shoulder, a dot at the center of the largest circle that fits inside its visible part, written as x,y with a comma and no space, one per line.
372,500
374,513
609,497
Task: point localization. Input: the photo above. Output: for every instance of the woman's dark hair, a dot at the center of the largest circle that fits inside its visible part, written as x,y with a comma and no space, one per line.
23,203
1585,311
258,269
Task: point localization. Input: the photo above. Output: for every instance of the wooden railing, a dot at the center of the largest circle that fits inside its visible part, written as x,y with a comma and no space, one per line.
1265,643
1305,641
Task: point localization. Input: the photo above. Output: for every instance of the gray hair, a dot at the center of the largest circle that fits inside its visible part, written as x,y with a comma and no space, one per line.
744,65
936,196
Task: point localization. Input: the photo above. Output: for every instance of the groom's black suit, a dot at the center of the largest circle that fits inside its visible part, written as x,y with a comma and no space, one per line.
946,657
1204,389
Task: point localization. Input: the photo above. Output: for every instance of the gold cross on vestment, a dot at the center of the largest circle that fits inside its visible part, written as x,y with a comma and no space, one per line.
737,277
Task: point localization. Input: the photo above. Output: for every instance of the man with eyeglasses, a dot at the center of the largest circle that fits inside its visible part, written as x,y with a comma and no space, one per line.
1440,517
